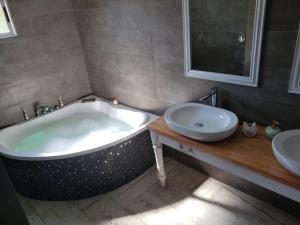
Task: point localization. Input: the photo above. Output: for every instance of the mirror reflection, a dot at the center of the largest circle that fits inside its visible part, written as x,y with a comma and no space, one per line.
221,34
294,86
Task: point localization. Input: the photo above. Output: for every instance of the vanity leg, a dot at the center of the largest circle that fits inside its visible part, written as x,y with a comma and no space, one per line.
158,151
160,164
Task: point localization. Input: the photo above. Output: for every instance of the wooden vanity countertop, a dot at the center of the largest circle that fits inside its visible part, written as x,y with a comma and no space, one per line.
251,153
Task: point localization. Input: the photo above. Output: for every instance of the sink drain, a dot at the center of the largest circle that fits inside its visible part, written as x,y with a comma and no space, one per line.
199,125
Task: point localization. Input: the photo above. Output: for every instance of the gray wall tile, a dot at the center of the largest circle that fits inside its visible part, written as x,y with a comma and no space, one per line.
279,46
152,31
44,61
134,42
34,7
167,43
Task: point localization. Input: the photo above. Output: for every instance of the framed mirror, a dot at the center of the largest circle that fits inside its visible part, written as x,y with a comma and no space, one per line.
294,86
222,39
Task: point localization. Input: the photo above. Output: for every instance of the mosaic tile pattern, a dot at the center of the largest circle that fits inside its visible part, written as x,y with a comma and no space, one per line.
82,176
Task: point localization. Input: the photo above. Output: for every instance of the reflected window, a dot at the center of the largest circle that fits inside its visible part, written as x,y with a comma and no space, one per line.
7,28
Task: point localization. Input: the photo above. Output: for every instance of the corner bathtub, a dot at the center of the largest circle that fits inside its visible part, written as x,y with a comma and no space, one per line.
79,151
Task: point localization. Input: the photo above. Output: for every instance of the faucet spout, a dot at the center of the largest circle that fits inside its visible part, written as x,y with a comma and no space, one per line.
213,94
42,110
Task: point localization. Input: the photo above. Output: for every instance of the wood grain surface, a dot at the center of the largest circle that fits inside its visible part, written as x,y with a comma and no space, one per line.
251,153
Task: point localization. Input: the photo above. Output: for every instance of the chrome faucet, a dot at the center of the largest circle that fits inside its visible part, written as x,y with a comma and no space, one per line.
41,110
213,94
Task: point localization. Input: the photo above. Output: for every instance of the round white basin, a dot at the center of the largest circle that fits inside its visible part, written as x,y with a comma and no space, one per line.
286,148
201,122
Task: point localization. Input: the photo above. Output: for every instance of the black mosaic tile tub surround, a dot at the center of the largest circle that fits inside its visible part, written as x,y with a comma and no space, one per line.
82,176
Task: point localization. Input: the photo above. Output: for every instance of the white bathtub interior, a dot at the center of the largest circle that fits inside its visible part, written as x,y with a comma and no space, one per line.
73,129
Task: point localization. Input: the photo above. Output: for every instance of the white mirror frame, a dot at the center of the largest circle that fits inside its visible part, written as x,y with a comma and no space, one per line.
294,86
252,79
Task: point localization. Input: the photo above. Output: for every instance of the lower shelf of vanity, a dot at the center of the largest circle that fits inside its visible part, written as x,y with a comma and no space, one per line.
249,158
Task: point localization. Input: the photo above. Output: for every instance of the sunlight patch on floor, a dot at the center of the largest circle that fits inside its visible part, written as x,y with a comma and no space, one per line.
190,197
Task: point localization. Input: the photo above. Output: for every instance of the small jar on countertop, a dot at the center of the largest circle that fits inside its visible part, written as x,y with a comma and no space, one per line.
272,131
249,129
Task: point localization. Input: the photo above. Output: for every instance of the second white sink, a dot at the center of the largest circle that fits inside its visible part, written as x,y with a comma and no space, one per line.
201,122
286,148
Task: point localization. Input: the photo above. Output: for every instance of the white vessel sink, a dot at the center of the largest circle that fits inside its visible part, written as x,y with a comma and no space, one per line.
201,122
286,148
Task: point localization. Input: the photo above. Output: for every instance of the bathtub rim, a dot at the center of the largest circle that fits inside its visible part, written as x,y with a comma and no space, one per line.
5,152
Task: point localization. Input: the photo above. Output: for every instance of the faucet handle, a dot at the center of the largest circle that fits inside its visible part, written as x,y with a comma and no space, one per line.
61,103
213,94
39,110
25,115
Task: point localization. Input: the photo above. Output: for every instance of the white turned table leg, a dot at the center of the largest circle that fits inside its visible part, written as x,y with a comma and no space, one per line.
158,151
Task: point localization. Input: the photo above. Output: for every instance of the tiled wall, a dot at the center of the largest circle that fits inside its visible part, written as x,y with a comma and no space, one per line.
44,61
134,51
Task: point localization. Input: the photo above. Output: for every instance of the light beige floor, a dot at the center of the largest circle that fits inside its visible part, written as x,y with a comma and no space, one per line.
189,198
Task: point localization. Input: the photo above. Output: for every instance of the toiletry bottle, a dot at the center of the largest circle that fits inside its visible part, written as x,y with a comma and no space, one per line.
271,131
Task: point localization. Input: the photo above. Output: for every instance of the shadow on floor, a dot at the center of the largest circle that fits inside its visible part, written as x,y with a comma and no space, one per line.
190,197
